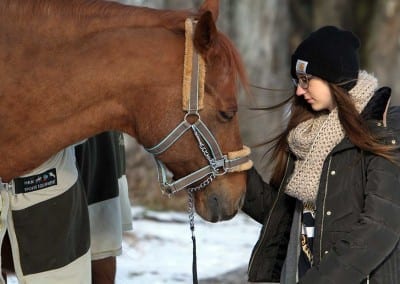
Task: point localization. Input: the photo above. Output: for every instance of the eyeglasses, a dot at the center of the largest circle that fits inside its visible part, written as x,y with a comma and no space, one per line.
302,81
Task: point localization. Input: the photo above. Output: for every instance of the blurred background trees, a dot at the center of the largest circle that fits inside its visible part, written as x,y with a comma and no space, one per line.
266,33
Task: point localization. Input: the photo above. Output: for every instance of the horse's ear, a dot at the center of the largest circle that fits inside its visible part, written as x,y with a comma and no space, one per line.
212,6
205,33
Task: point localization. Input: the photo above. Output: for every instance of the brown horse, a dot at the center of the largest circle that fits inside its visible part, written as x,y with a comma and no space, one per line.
72,69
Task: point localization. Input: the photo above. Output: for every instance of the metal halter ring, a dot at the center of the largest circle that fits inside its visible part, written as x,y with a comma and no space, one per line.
191,114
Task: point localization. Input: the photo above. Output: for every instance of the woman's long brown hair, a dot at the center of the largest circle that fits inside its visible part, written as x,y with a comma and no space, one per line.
354,125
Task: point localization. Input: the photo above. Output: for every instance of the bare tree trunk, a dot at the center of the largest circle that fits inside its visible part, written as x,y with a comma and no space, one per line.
332,12
260,30
383,46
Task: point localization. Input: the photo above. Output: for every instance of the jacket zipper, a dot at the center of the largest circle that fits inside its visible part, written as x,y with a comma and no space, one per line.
323,208
269,217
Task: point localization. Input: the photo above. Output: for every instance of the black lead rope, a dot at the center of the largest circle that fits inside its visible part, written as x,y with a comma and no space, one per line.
194,263
191,222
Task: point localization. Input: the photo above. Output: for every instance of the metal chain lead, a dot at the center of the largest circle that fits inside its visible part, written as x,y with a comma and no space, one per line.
191,192
204,150
203,184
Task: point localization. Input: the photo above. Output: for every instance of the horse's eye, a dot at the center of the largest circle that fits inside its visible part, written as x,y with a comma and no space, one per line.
226,115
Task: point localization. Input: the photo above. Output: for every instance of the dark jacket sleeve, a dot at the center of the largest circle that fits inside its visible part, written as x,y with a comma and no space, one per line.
259,196
373,237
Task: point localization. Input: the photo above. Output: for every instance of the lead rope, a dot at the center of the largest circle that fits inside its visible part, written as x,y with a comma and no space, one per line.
191,223
191,191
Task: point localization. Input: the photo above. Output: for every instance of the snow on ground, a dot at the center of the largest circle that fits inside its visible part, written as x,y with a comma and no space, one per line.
159,248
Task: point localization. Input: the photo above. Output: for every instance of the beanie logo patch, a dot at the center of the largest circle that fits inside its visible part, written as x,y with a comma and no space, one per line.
301,66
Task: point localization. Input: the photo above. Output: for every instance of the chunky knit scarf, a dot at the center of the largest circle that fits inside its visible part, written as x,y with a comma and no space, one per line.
312,140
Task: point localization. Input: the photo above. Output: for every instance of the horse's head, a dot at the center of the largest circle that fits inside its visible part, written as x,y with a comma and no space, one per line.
222,198
207,140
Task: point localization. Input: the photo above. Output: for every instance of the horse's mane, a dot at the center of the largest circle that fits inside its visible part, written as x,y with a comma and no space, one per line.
63,7
130,16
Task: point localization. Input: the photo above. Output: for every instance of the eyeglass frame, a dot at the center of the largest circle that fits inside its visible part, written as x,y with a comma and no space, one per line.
304,84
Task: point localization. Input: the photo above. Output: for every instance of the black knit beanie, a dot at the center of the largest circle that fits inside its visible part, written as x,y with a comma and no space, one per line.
328,53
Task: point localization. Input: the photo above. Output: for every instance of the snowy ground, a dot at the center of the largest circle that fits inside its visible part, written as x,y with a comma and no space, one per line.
159,248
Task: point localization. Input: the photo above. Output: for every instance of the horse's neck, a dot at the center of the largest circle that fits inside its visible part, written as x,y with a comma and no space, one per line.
46,105
53,97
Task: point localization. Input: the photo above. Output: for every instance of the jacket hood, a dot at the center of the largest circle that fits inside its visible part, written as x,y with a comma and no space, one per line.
374,113
376,106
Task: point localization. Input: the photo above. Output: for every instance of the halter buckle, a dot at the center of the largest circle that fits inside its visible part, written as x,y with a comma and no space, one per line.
219,168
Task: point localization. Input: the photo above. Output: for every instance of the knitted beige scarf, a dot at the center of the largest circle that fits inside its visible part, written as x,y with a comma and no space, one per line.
312,140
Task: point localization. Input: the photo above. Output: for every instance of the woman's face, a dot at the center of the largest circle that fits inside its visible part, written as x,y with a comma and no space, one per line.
316,92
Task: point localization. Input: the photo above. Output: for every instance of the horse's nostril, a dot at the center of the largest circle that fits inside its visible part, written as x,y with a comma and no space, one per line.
213,205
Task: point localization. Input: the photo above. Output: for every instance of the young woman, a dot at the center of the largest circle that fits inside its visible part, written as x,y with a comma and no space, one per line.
331,212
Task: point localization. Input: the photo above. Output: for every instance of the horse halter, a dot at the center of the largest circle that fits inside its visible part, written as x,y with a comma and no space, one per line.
193,94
